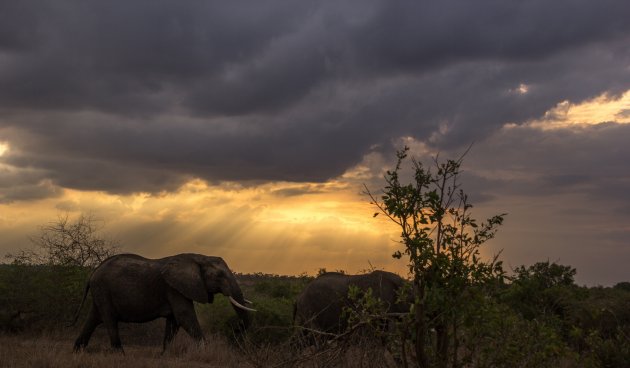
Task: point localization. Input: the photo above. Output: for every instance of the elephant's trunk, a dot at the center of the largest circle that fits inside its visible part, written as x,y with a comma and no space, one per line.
238,302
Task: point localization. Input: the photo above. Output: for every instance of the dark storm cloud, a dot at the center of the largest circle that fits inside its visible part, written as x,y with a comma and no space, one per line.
566,194
25,185
591,161
142,96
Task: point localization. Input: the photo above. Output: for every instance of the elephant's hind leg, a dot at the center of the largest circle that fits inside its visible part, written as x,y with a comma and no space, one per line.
90,324
111,323
169,332
114,336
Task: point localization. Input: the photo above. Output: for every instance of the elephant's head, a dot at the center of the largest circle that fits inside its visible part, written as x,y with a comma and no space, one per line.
199,277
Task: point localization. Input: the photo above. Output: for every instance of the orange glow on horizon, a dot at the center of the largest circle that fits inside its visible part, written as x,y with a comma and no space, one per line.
283,228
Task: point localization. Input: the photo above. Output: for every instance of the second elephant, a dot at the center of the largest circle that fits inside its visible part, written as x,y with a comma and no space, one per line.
320,305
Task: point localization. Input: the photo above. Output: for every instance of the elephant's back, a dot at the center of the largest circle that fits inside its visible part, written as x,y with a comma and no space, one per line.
324,287
124,267
376,279
122,258
385,286
132,285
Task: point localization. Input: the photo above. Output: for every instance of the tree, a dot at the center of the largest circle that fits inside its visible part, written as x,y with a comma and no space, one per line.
546,274
441,241
68,243
543,290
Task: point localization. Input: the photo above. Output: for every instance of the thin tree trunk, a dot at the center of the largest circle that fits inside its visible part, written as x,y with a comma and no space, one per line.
441,331
455,344
403,349
421,327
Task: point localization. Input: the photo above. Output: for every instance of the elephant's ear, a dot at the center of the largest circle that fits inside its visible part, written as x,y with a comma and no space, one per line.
185,277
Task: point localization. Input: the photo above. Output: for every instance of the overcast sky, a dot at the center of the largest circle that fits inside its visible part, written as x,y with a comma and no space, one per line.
173,120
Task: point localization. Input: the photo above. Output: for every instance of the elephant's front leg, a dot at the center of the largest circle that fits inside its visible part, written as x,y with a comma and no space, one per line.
169,331
184,313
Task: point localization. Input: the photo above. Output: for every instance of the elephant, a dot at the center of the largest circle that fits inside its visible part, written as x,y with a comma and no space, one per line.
131,288
320,305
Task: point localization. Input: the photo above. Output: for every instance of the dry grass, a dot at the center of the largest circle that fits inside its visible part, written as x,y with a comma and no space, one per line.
352,351
332,357
53,351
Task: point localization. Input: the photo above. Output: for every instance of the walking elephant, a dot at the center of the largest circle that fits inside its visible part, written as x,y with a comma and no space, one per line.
320,305
131,288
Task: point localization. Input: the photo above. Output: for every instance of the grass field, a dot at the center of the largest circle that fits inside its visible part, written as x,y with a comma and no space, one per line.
52,350
56,351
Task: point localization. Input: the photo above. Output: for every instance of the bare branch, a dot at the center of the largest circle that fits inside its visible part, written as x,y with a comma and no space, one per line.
62,242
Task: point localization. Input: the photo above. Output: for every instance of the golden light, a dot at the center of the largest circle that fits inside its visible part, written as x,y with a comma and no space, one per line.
601,109
4,148
284,228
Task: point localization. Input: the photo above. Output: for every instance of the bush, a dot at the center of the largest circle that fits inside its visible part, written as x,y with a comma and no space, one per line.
46,297
497,336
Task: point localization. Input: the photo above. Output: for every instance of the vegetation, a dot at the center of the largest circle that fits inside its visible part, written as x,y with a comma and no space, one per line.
533,320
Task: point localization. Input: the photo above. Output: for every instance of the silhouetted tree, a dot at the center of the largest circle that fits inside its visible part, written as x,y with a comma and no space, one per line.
441,241
68,243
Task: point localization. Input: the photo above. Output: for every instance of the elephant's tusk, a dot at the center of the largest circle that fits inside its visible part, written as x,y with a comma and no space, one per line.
237,304
248,301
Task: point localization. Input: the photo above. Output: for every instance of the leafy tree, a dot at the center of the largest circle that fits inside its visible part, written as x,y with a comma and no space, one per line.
68,243
546,274
441,242
545,291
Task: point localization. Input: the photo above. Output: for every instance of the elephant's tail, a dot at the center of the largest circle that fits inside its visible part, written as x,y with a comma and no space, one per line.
76,314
